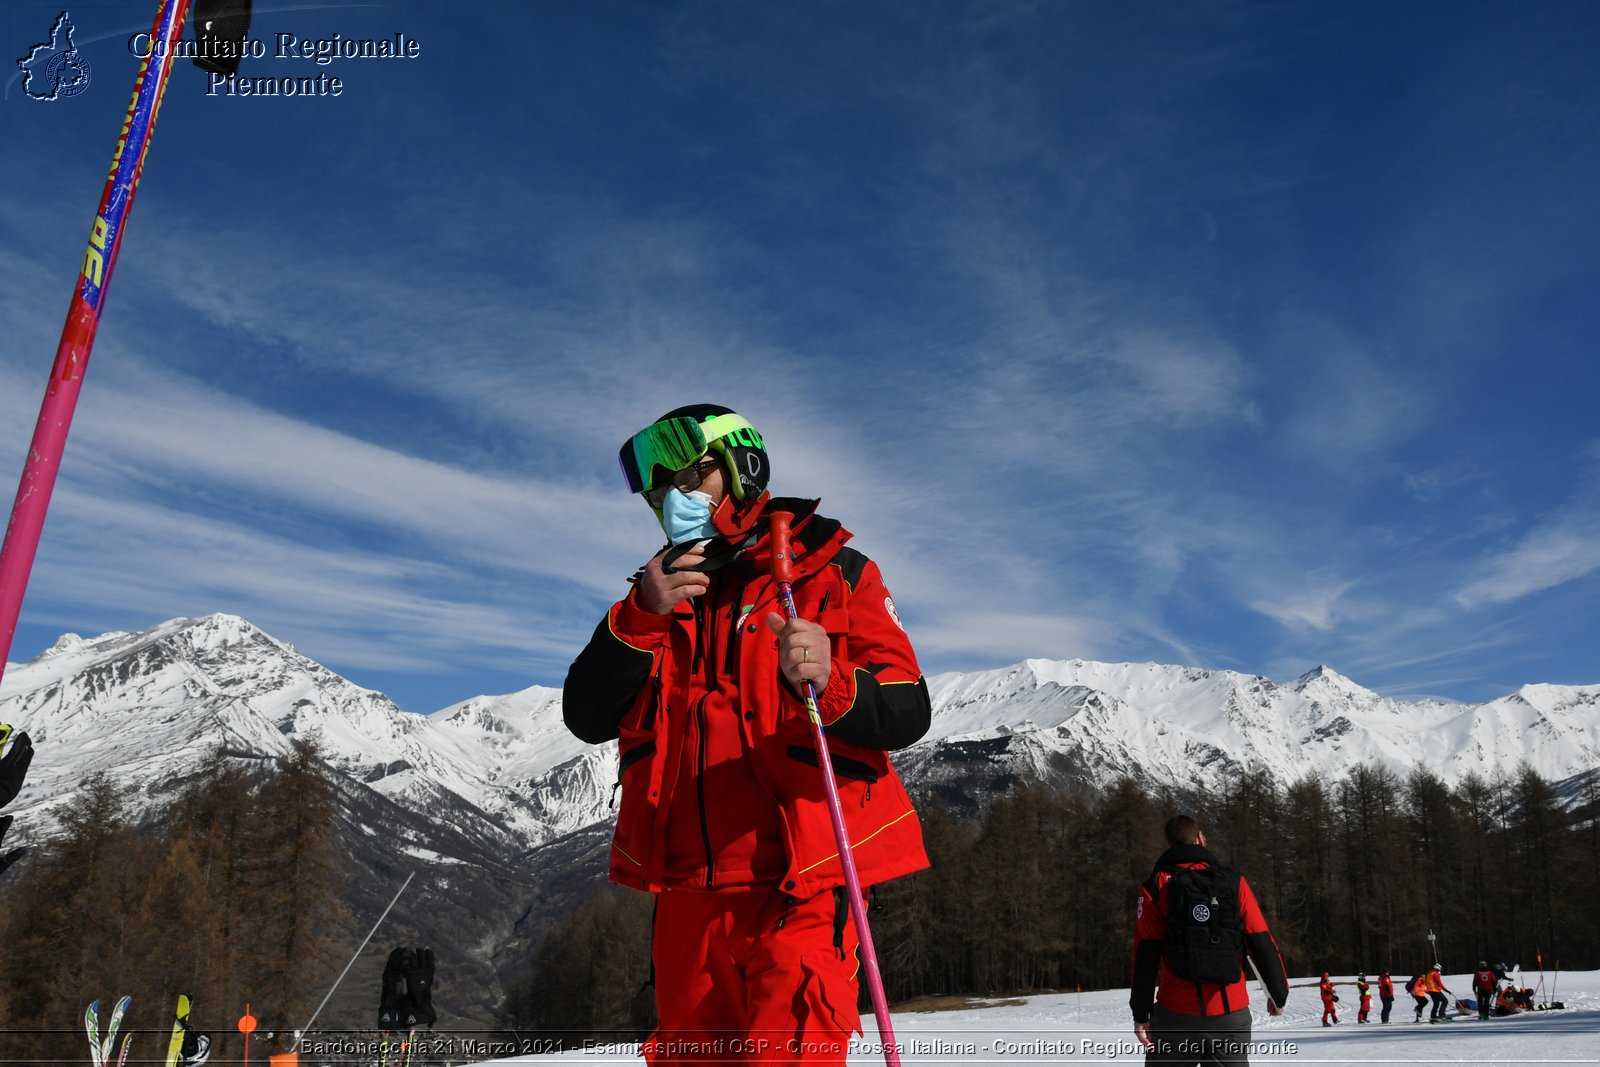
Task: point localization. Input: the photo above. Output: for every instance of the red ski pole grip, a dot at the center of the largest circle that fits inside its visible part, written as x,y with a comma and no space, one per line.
782,561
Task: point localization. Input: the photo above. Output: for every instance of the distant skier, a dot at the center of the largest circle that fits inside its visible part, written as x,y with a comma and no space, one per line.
1385,995
698,676
1483,982
1505,1003
1364,991
1437,991
1418,988
1196,923
1329,999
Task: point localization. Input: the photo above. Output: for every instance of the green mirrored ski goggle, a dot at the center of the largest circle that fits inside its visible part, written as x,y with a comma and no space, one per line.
652,455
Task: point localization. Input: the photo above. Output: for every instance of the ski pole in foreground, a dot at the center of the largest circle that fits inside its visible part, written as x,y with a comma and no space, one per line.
21,544
783,575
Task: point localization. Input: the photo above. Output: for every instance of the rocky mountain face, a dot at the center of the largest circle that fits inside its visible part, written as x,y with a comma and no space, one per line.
504,814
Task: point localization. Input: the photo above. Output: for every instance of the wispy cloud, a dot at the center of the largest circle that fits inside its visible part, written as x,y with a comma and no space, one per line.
1315,607
1129,339
1561,547
1561,551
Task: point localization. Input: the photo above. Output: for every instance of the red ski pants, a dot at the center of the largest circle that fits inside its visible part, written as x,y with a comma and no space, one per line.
753,977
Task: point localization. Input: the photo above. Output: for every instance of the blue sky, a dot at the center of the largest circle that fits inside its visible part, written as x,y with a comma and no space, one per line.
1240,335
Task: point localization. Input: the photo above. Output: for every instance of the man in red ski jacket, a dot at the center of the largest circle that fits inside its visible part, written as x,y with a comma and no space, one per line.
1179,1018
1484,981
698,675
1385,995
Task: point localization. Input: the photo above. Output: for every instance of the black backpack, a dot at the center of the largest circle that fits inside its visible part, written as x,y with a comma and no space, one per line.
1205,935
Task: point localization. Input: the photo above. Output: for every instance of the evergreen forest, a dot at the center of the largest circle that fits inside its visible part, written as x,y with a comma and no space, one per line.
1039,892
230,901
237,895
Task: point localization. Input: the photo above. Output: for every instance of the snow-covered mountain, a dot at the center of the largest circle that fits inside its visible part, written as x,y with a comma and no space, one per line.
146,707
1182,726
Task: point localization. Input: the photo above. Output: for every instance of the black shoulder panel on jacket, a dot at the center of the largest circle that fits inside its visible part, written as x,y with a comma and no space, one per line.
851,563
601,685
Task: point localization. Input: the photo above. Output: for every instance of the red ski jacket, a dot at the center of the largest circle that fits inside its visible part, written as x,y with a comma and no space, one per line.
1153,981
717,767
1385,987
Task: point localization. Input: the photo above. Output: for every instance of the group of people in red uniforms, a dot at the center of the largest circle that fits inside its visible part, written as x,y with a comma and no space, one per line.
1330,1014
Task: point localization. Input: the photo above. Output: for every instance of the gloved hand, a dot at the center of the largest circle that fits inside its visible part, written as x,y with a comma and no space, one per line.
15,854
14,767
419,986
394,1008
195,1050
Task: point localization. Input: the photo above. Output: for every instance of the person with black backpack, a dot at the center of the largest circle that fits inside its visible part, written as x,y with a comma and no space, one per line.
1197,922
1417,988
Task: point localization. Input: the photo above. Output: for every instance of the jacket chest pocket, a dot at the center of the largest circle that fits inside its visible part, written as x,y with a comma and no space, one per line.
821,603
843,766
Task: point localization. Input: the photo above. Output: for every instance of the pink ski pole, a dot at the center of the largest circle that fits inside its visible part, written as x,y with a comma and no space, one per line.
83,320
783,574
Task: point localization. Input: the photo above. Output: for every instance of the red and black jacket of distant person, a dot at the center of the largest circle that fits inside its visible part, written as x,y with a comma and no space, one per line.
1154,981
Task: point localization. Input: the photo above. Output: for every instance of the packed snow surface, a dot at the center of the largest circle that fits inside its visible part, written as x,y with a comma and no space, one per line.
1082,1028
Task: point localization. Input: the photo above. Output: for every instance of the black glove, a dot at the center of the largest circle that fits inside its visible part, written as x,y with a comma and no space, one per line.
15,854
394,1009
419,986
14,767
196,1049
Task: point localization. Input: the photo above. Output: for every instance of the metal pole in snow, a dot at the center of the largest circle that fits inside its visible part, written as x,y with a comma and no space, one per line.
306,1028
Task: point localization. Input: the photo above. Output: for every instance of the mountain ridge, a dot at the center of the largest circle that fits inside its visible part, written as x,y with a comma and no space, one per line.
147,704
506,816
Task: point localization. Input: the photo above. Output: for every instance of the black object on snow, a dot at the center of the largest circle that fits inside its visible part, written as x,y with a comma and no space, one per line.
406,1001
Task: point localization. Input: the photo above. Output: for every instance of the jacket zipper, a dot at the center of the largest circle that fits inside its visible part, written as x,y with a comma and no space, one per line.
700,790
735,624
699,636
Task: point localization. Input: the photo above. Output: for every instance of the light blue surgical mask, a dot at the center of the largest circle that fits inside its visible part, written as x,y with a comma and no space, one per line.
687,516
